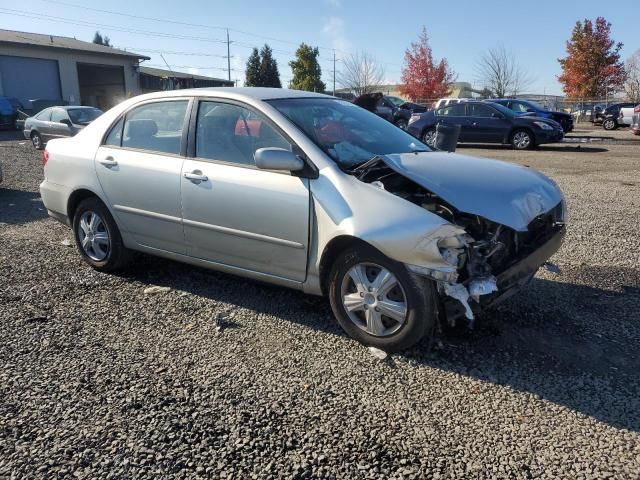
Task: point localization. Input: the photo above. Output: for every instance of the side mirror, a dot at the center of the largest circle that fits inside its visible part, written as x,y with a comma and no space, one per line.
277,159
66,121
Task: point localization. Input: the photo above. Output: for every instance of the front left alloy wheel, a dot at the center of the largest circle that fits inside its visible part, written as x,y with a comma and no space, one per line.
97,236
378,302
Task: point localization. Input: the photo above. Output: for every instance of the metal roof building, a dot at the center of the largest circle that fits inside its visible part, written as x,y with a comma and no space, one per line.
36,66
156,79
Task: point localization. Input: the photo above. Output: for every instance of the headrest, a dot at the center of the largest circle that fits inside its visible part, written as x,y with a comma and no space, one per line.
140,128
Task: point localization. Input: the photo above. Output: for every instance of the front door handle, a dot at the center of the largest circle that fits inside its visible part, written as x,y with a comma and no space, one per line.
196,176
108,162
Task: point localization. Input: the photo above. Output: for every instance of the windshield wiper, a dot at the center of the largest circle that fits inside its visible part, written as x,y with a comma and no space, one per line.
365,166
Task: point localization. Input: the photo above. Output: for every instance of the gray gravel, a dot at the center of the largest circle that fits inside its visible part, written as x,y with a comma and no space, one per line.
223,378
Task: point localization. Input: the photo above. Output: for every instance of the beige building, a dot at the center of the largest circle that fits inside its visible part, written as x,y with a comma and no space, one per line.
35,66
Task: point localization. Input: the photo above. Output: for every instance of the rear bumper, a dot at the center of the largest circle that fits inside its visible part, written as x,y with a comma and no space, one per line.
55,198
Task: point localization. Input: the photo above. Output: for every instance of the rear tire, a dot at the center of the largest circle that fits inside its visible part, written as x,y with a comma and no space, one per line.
409,300
522,140
36,139
97,236
609,124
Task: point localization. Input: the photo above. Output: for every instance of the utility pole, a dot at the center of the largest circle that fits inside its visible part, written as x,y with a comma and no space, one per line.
228,56
334,73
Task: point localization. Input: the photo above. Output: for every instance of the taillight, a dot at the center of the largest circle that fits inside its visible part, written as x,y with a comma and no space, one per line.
45,157
637,109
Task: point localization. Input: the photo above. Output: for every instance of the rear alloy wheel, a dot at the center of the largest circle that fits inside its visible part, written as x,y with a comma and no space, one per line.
429,137
521,140
36,139
378,302
401,124
97,236
609,124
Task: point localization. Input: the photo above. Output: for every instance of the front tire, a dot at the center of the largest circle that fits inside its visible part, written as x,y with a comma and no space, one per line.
401,124
378,302
429,137
522,140
36,139
609,124
97,236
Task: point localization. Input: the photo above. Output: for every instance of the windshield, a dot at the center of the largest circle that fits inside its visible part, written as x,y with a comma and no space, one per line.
350,135
83,116
397,101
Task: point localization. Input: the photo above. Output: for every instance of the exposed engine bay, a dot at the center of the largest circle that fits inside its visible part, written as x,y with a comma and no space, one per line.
481,255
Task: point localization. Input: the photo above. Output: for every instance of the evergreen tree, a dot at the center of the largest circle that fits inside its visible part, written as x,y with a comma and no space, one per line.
306,70
100,40
252,73
269,75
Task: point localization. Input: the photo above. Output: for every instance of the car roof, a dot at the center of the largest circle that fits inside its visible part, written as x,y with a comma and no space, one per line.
238,93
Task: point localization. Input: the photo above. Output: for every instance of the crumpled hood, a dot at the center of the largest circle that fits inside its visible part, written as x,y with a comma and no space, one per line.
502,192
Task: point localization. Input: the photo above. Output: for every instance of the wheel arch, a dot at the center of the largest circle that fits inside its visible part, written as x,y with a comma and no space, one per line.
78,196
331,251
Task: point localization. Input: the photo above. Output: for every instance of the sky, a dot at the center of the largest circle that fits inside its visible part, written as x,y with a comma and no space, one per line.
191,34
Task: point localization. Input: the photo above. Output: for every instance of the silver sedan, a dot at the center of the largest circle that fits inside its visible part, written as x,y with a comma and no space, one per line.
310,192
58,122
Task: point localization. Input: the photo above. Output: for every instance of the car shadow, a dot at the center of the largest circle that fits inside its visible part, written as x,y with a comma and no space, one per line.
571,344
574,345
18,207
290,305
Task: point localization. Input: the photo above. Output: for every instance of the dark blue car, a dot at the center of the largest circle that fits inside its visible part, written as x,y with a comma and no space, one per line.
9,112
523,107
483,122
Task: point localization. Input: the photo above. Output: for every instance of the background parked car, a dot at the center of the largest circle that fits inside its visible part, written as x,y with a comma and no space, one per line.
609,118
9,107
635,122
484,122
626,116
56,122
443,102
394,109
527,107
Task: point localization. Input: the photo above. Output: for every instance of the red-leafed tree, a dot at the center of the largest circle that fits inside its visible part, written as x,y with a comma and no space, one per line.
592,67
422,77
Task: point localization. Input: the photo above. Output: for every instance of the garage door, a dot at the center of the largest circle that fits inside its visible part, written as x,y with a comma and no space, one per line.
29,78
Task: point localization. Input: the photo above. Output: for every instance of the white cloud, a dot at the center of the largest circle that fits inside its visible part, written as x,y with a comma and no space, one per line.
194,71
335,3
334,29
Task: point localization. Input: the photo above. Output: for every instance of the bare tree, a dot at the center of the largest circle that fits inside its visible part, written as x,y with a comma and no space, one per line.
499,71
361,73
632,83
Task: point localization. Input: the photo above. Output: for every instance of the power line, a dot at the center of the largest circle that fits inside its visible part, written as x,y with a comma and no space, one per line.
53,18
177,22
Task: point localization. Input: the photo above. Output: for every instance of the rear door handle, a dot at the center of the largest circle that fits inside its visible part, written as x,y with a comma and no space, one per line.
196,176
108,162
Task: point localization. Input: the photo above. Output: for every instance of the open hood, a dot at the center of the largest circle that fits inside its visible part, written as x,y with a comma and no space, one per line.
502,192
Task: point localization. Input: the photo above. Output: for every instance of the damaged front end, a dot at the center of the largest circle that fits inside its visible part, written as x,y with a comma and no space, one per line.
487,261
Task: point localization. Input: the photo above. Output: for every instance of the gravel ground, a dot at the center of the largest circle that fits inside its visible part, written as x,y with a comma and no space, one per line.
100,380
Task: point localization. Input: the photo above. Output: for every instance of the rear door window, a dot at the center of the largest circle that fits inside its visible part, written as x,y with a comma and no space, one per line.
454,110
479,110
58,114
44,115
156,127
